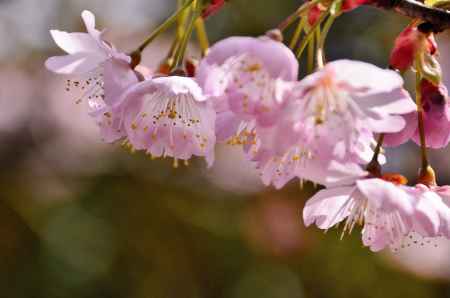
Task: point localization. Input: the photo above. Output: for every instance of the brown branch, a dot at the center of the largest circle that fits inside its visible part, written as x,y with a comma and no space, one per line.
437,19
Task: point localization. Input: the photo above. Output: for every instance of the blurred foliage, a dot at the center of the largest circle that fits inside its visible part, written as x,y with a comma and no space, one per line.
79,221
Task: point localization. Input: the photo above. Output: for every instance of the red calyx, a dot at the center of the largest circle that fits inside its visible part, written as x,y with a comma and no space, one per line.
213,7
348,5
314,14
407,43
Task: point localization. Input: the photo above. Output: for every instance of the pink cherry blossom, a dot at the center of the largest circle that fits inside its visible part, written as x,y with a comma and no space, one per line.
248,78
101,73
331,116
170,117
436,107
392,215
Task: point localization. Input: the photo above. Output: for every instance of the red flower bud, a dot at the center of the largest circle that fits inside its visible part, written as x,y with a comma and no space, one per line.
213,7
348,5
314,14
406,46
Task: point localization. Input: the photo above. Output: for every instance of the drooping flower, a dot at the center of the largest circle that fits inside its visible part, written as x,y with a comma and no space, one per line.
332,117
102,75
248,78
392,215
436,116
170,117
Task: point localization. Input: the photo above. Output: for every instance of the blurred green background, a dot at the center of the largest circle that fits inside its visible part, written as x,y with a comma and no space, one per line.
82,219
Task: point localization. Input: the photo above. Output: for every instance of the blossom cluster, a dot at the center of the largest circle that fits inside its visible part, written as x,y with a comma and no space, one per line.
327,127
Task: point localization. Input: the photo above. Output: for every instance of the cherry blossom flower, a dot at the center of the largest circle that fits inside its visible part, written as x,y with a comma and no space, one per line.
436,107
248,78
333,117
170,116
104,73
392,215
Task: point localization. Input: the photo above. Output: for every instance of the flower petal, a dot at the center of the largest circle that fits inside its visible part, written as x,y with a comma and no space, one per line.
79,63
76,42
327,207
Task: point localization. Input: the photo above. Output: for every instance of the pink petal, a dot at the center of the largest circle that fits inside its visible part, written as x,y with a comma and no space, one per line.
327,207
366,77
74,43
386,196
117,77
79,63
398,138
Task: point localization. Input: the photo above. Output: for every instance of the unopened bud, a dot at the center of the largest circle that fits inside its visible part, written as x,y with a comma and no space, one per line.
212,8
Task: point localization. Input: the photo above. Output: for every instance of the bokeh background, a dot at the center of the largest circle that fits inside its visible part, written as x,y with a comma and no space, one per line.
81,219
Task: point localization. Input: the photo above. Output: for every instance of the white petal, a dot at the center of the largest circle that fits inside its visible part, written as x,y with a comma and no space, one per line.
89,21
386,124
73,64
396,102
74,43
362,75
327,207
386,196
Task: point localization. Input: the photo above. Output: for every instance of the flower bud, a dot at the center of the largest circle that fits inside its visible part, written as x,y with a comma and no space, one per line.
314,14
408,44
348,5
212,8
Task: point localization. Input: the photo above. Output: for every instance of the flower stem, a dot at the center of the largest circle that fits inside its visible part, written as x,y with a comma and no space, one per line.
310,34
319,51
164,26
321,43
423,145
298,13
374,166
310,57
297,33
202,36
188,33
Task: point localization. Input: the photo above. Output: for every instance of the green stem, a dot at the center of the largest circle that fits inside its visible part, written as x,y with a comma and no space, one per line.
321,43
202,36
188,34
310,34
423,145
310,57
298,13
297,33
164,26
319,51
